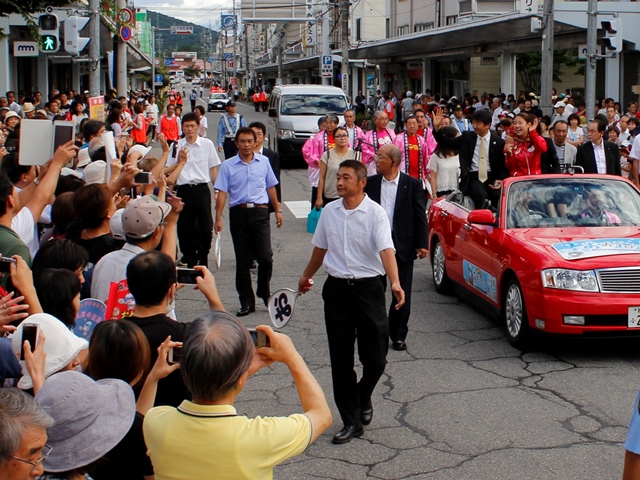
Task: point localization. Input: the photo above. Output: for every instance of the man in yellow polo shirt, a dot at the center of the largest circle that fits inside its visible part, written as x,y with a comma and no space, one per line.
206,438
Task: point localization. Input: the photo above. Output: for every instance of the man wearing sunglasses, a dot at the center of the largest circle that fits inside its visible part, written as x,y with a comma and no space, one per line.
23,436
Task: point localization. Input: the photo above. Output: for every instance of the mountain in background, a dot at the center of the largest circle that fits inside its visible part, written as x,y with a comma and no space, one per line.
167,43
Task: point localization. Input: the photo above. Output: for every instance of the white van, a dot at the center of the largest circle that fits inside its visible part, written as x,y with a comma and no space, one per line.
294,111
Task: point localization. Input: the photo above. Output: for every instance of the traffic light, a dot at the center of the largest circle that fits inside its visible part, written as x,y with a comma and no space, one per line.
73,42
49,33
612,41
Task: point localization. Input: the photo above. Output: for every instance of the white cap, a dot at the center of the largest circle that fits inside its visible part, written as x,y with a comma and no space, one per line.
559,104
95,172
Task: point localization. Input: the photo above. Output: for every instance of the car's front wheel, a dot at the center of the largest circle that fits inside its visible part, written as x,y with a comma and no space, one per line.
440,279
514,313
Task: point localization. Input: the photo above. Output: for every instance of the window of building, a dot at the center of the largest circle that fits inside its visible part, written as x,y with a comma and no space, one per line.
421,27
404,30
387,29
358,29
451,19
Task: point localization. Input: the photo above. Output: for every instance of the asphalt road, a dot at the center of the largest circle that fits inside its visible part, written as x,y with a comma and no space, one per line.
460,403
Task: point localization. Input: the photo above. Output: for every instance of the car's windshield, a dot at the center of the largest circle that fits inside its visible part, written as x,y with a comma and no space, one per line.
572,202
312,104
219,95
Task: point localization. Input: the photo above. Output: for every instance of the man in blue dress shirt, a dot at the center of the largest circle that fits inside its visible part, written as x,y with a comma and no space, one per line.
247,179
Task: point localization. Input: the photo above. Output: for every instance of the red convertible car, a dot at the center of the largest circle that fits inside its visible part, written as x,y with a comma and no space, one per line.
561,254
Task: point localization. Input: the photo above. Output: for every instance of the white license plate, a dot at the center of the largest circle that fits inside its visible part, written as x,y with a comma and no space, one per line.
634,317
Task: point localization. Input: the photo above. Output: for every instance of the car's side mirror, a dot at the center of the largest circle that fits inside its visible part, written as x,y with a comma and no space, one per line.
481,217
272,113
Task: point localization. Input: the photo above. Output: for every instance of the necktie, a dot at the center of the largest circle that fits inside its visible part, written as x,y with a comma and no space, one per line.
482,163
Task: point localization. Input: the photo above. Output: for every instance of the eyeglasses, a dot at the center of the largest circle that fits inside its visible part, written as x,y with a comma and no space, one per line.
340,136
46,451
379,157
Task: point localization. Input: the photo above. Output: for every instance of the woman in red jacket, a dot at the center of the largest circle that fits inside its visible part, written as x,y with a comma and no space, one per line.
523,150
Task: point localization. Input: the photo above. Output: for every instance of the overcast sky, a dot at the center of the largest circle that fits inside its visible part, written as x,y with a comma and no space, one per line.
199,12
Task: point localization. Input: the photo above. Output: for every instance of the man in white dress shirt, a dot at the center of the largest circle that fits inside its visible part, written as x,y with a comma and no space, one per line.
195,226
353,243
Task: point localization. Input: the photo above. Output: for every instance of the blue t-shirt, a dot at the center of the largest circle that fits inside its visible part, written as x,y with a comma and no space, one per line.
633,435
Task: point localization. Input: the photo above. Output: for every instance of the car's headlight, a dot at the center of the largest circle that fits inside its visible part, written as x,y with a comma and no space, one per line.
282,133
564,279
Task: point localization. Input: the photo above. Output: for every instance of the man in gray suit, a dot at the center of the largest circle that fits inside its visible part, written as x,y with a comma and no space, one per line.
566,152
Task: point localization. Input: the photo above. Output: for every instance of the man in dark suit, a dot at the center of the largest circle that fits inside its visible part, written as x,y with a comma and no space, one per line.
481,153
598,155
403,199
274,159
549,162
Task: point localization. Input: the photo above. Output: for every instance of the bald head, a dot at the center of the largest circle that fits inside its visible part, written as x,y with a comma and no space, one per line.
388,160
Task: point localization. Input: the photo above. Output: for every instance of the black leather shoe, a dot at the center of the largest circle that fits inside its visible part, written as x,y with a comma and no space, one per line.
347,433
244,311
399,345
366,415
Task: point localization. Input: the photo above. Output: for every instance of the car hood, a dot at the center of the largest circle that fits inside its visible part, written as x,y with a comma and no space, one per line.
610,245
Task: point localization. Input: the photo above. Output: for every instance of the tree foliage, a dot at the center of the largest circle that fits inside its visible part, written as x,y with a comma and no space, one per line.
529,67
192,71
28,7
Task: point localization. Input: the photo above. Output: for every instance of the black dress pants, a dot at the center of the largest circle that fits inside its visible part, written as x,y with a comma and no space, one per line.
399,319
251,235
354,310
479,191
195,243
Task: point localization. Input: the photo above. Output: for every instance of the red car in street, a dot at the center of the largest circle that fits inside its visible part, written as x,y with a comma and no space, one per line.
561,255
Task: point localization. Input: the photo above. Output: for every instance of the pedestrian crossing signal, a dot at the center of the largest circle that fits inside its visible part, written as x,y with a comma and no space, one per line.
49,33
49,43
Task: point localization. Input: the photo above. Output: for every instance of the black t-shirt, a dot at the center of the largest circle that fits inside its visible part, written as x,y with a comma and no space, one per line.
96,247
171,390
128,460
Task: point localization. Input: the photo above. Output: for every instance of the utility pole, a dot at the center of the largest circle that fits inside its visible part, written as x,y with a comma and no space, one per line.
325,39
283,35
121,59
247,75
547,59
235,35
592,43
153,58
224,60
94,49
344,12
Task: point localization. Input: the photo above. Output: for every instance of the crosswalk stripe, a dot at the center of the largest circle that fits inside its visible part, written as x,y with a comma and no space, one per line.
299,209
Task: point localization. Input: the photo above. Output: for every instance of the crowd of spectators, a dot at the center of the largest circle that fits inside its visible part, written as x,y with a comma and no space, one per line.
74,404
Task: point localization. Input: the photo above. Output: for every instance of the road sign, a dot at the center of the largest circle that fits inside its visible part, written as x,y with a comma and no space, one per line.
181,30
158,84
169,62
125,16
125,33
583,52
527,7
157,61
327,66
345,82
230,63
159,78
211,59
227,21
228,56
